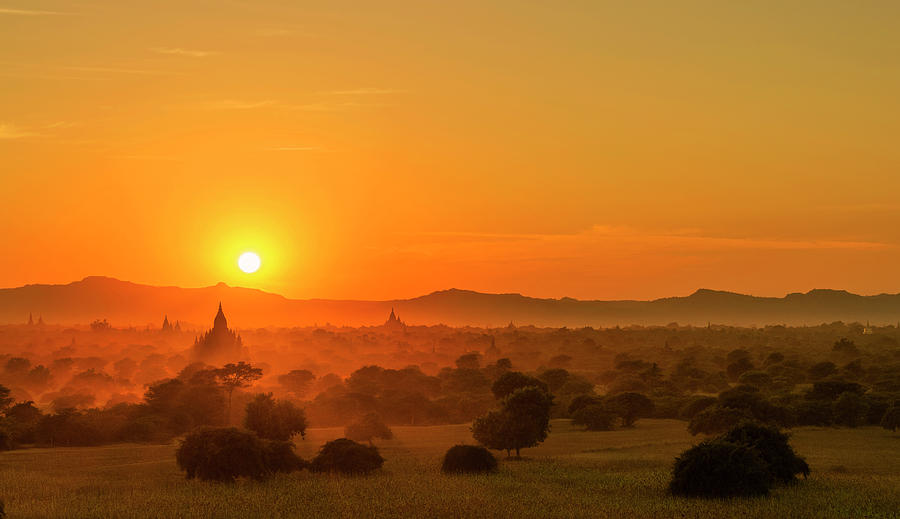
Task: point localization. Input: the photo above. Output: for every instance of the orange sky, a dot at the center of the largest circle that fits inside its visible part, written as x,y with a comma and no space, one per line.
592,149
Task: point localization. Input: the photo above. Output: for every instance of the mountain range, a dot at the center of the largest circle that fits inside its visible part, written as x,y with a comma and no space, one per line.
124,303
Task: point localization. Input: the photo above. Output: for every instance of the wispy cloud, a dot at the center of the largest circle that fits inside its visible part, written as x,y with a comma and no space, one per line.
294,148
183,52
9,131
139,71
61,124
330,107
28,12
601,239
233,104
367,91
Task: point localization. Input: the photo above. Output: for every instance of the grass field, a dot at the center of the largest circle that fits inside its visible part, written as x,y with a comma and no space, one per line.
856,473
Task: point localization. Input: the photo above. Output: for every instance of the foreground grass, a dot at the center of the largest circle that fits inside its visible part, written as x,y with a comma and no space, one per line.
856,473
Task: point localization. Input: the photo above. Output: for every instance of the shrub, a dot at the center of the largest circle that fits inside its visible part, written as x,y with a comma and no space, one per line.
348,457
468,458
368,427
594,418
719,468
274,419
222,454
773,447
280,456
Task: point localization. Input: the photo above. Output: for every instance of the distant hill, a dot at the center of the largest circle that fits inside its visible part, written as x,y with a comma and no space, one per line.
124,303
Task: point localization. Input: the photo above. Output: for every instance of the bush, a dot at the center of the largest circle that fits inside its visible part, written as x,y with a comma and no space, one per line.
468,458
222,454
280,456
368,427
719,468
773,447
348,457
274,420
594,418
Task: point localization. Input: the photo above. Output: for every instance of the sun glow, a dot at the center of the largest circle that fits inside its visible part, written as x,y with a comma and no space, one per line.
249,262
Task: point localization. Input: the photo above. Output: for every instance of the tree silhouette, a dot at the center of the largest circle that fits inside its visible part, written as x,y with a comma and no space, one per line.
233,376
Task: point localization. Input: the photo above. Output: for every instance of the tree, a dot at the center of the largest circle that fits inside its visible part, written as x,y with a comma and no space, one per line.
717,419
739,367
297,381
368,427
773,447
554,378
849,409
523,421
468,458
594,418
348,457
891,418
5,399
234,376
469,361
222,454
719,468
513,380
822,370
274,419
696,405
629,406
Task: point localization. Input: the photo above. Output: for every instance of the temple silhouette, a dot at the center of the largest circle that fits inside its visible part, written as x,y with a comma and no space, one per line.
218,345
393,323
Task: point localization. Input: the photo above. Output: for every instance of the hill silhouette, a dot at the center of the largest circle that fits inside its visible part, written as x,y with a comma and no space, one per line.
124,303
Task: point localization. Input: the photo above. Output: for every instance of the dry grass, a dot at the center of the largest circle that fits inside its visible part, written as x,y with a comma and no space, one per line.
856,473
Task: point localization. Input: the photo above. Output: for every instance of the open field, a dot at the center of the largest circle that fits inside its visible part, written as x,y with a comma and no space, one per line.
856,473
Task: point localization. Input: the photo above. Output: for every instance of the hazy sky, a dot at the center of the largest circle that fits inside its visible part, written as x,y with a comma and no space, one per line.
594,149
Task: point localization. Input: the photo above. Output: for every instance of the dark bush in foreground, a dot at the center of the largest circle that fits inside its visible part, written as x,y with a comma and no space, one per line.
223,454
280,456
594,418
718,468
348,457
773,447
468,458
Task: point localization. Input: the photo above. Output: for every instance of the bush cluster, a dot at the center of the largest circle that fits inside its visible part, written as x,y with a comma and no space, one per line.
226,453
468,458
746,461
347,457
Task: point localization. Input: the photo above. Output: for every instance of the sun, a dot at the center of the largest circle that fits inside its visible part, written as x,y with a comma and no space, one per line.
249,262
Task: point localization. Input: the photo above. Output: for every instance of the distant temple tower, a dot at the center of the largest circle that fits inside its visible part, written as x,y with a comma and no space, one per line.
394,324
30,319
219,345
166,325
